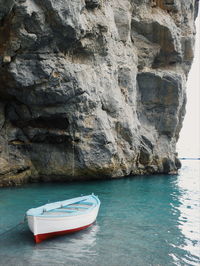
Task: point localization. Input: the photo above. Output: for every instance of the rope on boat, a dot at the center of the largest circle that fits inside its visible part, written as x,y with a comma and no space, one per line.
15,226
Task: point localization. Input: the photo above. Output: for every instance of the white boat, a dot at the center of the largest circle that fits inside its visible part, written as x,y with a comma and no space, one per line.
62,217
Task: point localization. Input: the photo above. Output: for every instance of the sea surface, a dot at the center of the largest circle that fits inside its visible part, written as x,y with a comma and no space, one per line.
143,220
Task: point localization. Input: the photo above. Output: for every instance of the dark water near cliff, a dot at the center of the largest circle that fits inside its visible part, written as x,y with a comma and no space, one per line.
151,220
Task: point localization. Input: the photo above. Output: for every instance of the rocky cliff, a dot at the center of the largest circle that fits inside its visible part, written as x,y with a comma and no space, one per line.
92,88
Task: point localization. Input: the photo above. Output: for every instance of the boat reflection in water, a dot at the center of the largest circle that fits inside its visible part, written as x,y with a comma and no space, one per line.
75,246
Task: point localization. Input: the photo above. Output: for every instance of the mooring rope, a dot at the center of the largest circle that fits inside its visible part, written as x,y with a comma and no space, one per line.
13,227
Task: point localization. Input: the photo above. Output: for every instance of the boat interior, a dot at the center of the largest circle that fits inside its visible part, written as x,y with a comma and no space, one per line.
77,207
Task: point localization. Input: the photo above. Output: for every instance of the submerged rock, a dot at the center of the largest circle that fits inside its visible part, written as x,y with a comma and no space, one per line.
92,89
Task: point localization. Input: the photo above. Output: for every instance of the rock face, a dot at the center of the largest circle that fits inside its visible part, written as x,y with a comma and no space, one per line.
92,88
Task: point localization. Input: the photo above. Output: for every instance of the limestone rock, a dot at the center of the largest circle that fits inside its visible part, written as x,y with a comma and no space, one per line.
92,3
92,88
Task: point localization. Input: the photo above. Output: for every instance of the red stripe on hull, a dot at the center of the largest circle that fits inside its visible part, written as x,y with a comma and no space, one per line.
39,238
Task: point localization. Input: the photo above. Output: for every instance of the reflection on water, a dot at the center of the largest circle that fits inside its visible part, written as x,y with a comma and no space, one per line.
75,247
19,248
150,220
190,209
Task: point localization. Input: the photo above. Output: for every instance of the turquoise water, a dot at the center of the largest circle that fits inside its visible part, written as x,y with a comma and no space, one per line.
149,220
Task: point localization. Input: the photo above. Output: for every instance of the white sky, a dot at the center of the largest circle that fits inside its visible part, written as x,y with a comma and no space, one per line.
189,141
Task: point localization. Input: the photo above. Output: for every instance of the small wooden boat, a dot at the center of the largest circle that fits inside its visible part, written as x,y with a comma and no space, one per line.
62,217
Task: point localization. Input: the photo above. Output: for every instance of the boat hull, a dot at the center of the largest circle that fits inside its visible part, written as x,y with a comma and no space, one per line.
41,237
44,227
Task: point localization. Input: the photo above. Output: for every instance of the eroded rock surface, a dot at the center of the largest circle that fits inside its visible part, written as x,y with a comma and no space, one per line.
92,88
